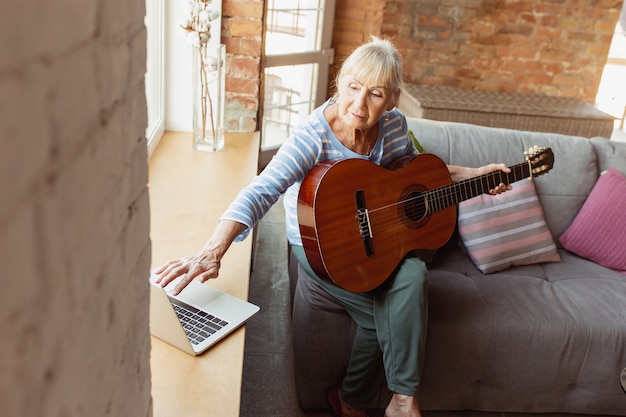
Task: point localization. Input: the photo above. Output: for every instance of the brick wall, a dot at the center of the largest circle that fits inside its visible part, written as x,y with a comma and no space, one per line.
354,22
74,216
242,33
553,47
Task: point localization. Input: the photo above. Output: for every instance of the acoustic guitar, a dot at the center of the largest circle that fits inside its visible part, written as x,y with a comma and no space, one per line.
358,220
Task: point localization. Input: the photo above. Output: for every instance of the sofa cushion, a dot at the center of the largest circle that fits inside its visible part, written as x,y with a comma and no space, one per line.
542,323
610,154
598,231
507,229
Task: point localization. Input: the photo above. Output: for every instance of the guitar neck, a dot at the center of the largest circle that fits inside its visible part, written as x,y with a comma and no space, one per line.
452,194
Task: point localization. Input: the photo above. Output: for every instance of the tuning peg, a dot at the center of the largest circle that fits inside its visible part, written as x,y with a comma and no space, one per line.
534,150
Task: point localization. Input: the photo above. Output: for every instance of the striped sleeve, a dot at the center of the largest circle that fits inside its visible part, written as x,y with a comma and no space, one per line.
293,160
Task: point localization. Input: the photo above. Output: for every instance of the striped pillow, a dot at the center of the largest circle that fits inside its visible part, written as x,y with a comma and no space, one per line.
506,229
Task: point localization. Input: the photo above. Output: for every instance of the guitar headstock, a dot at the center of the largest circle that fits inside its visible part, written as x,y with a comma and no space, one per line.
540,160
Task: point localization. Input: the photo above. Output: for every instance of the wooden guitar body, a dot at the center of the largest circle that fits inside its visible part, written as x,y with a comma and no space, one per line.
330,228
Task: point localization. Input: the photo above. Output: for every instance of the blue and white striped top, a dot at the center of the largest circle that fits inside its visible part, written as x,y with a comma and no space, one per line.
312,142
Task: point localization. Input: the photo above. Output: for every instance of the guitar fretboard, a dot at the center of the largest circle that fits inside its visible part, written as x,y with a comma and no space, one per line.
452,194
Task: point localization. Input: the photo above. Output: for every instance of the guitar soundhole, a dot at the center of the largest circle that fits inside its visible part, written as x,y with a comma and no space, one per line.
413,208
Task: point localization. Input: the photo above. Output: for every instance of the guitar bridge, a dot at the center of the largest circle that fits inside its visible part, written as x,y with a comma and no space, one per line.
363,219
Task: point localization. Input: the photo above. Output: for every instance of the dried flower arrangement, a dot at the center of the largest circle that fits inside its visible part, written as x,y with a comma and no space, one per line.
197,29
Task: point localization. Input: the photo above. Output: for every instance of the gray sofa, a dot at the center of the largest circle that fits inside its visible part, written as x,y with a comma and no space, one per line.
539,338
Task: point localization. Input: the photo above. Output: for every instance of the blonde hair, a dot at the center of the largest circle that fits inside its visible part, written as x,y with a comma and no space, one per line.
377,62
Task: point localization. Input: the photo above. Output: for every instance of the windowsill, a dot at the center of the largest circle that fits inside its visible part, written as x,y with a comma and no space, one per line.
189,191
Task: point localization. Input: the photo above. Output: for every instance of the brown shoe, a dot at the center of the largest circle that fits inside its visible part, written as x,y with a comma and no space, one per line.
340,408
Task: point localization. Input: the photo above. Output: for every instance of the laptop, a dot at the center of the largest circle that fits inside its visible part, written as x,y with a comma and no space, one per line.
198,317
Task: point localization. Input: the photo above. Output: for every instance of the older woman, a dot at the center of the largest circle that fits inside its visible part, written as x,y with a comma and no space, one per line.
360,121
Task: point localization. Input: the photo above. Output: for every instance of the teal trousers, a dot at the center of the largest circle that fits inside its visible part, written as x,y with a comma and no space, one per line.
391,331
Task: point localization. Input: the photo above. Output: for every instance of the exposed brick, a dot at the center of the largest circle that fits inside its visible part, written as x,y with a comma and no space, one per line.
243,8
567,79
553,67
242,85
350,25
597,49
478,28
244,27
513,65
445,71
435,22
556,55
518,53
349,9
243,66
581,36
550,8
247,124
549,21
248,102
518,41
550,33
469,73
243,46
523,34
533,79
528,17
603,26
443,47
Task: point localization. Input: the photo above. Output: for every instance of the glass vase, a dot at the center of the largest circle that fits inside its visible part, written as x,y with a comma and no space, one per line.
207,81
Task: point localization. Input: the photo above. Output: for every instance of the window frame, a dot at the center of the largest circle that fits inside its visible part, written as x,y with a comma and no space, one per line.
155,77
322,56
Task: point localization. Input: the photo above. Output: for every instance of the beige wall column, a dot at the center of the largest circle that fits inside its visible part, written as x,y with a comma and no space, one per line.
74,215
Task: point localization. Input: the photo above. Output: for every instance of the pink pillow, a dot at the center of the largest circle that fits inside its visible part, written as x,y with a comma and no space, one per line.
598,232
506,229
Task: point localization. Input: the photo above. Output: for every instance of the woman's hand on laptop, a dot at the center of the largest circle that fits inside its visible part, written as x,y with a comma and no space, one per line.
203,265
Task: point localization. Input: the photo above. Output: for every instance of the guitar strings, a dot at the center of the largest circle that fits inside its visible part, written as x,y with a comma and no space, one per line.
418,206
440,198
445,198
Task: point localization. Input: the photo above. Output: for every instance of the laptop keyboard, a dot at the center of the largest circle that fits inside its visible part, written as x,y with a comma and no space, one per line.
198,324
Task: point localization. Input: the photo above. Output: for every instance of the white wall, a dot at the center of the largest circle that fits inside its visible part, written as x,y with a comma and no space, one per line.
74,210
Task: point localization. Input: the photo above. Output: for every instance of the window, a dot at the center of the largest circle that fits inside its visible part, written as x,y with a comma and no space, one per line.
612,91
154,21
297,57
